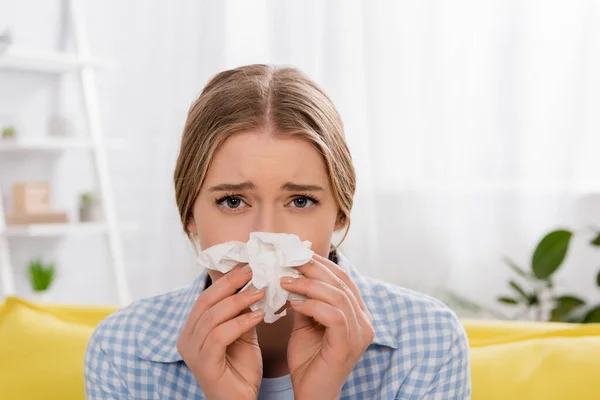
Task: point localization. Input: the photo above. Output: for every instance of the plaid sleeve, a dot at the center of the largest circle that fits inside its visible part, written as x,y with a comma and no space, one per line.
453,380
102,380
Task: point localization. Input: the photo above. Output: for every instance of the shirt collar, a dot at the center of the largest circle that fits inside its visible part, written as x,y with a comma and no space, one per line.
165,320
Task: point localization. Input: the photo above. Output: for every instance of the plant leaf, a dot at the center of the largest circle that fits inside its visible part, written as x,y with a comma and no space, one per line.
550,253
592,316
569,301
564,306
596,240
462,302
508,300
598,279
455,300
520,271
519,290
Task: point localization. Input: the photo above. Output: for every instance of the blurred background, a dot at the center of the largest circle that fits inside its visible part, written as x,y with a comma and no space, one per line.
474,128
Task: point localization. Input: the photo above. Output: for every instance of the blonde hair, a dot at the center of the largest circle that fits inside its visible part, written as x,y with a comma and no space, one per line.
282,100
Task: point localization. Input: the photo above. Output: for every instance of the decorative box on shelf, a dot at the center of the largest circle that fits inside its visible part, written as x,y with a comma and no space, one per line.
31,197
37,218
31,205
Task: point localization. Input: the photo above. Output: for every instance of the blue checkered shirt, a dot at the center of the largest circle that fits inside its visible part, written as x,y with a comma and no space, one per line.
420,350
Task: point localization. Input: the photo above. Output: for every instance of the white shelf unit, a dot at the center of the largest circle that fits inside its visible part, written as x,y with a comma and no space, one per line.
54,144
84,65
62,229
23,59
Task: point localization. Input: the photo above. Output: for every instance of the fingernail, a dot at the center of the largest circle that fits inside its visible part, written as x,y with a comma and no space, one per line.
253,290
257,314
287,280
296,303
246,269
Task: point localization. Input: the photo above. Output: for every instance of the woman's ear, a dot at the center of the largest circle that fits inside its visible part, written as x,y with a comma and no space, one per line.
340,222
191,224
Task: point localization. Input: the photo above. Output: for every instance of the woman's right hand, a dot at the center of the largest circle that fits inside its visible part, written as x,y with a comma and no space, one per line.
218,344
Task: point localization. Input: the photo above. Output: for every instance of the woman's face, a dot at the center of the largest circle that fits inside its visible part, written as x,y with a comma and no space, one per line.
258,182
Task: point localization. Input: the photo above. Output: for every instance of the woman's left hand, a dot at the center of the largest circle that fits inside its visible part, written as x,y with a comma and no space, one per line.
332,329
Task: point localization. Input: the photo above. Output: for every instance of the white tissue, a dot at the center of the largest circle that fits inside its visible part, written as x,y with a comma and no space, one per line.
270,256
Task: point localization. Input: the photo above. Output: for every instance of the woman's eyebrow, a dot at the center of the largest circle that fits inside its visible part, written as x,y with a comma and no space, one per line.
294,187
232,187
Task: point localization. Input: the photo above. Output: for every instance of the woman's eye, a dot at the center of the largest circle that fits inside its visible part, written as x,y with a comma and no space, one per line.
302,202
231,202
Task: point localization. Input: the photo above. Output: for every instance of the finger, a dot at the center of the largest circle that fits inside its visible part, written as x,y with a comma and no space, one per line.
333,319
224,311
301,321
225,334
343,275
319,290
222,288
317,270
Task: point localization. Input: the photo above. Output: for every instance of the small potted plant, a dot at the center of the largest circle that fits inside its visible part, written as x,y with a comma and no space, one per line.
88,207
41,277
9,132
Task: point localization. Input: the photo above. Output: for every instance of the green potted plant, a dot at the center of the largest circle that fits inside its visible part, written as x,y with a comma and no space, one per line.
89,209
41,277
533,289
534,293
9,132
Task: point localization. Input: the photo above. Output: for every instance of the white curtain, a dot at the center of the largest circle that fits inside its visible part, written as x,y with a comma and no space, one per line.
474,125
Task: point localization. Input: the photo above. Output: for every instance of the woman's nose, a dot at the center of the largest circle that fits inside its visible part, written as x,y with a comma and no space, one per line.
267,220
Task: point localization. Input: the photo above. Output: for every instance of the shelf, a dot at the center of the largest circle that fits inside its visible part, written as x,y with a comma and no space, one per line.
23,59
52,144
67,229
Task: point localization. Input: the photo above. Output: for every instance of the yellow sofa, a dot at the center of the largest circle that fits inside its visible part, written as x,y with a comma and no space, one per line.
42,348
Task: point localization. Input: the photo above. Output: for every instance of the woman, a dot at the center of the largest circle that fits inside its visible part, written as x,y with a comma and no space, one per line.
263,149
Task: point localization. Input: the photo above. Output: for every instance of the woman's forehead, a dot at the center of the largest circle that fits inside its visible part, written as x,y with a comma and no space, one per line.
263,157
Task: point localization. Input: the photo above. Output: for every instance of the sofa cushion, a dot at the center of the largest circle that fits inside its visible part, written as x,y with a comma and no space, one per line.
41,353
484,332
556,364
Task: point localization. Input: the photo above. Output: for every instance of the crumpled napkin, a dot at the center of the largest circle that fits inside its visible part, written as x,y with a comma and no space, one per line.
270,256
